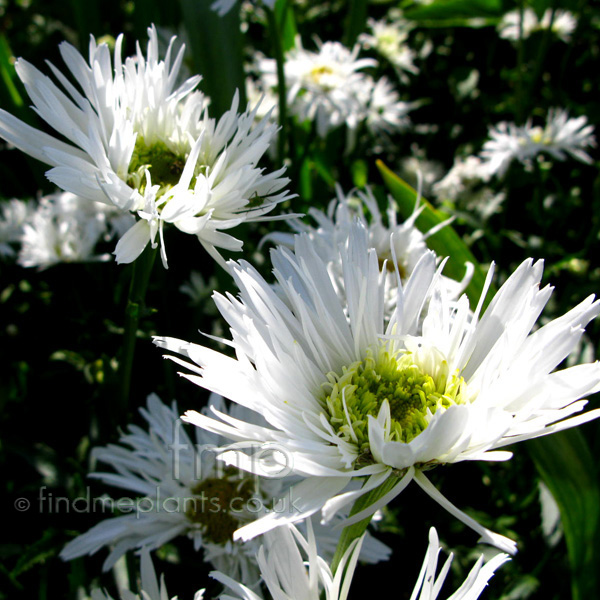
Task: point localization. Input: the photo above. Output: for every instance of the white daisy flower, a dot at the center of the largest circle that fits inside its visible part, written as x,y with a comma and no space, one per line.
66,228
138,142
389,39
353,394
561,136
287,574
150,589
324,86
185,492
385,114
399,244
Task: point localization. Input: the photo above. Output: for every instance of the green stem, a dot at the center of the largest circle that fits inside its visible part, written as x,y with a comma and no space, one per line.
142,268
520,65
352,532
281,88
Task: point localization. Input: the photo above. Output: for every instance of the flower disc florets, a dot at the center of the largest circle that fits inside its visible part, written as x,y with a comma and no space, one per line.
214,507
412,394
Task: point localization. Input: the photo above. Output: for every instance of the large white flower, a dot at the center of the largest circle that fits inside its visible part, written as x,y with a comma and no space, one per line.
353,394
560,137
137,141
399,244
288,575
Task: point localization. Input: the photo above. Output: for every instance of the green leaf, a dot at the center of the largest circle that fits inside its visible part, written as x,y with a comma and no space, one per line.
444,10
8,74
356,21
284,13
445,242
216,45
568,468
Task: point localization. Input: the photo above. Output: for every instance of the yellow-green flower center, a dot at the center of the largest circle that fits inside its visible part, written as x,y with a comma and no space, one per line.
164,165
215,504
412,394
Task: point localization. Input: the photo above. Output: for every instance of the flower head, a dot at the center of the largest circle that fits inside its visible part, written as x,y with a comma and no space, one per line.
139,142
66,228
399,244
184,490
353,393
323,86
561,136
389,39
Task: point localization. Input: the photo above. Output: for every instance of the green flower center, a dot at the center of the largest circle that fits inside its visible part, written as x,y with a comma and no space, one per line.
213,504
412,394
164,165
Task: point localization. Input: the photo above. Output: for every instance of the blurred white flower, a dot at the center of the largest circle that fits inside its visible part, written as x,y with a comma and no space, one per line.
385,114
354,394
287,574
324,86
15,213
138,142
464,172
509,25
560,137
65,228
149,585
389,39
561,22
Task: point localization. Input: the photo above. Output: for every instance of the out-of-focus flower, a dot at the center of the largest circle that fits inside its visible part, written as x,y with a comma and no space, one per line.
324,86
509,25
561,22
15,213
389,39
386,114
65,228
461,176
287,574
149,588
138,142
352,393
560,137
